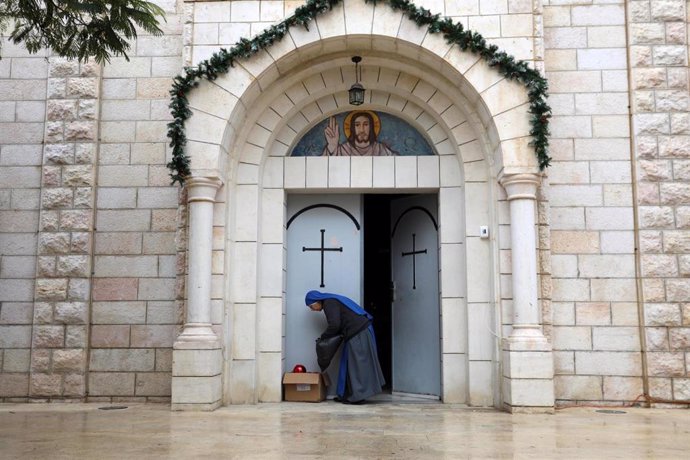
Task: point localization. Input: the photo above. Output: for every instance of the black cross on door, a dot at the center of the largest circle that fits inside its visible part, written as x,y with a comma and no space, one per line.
323,250
414,253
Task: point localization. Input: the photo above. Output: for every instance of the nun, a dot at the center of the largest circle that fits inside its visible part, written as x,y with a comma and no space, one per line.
359,376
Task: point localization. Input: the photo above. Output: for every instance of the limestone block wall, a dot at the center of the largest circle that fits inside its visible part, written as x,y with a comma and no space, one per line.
62,290
615,174
661,123
595,334
92,239
88,223
507,23
134,314
23,80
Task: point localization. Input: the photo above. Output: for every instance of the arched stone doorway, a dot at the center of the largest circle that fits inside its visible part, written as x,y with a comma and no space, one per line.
246,121
318,92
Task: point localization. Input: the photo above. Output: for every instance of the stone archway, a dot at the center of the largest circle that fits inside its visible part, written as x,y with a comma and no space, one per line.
410,95
241,129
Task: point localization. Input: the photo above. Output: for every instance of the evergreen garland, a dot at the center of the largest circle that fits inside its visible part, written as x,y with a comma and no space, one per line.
467,40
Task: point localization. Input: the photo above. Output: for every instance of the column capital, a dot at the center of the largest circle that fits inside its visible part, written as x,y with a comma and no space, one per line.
520,186
201,188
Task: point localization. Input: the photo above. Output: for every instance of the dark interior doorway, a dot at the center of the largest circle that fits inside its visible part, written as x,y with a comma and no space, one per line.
377,273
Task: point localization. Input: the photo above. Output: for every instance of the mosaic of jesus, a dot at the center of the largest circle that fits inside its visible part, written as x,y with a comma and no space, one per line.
362,133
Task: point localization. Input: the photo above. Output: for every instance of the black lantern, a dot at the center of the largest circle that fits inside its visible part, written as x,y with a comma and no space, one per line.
356,91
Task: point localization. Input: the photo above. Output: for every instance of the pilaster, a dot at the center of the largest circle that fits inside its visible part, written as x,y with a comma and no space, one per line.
63,274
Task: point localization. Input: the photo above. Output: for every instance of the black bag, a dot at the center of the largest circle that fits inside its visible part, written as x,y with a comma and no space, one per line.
326,349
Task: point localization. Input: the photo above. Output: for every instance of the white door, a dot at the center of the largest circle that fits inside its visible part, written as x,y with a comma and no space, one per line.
416,360
324,252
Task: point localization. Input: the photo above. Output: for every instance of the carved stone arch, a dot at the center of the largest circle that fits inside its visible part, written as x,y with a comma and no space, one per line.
445,116
475,135
262,174
221,107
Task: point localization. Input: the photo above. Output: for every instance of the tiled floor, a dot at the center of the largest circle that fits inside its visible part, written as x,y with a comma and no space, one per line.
385,429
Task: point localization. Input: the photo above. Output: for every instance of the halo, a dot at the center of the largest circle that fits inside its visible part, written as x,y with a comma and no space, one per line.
346,122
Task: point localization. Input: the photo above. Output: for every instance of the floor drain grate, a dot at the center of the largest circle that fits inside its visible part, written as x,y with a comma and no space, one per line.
611,411
112,407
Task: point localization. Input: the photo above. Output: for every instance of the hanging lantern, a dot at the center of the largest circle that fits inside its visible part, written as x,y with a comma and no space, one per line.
356,91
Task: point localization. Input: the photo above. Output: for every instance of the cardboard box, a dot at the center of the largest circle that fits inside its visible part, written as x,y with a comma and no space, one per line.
304,386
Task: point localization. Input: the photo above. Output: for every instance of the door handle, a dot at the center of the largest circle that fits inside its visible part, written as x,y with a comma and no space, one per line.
393,291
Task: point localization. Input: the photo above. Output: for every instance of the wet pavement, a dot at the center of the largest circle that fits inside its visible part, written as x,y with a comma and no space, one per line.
332,430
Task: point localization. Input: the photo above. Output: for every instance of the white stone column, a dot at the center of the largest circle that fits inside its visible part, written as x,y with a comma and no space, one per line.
197,357
527,355
201,194
522,195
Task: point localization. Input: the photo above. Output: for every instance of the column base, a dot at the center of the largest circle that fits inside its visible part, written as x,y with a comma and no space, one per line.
197,336
526,337
197,376
196,393
527,382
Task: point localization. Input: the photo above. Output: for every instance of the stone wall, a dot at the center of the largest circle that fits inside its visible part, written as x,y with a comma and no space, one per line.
23,80
61,297
597,202
88,222
89,242
134,316
595,335
659,60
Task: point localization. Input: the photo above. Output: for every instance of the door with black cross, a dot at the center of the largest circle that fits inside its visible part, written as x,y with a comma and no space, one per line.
324,252
416,357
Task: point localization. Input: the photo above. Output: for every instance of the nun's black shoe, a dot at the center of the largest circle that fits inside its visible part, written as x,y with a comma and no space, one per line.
355,403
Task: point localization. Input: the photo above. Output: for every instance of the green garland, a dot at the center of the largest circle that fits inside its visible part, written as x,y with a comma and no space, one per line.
223,60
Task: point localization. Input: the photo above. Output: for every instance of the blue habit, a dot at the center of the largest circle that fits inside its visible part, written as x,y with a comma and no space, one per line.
315,296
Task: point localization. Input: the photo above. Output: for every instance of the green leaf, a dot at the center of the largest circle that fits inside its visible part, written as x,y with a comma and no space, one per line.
81,29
